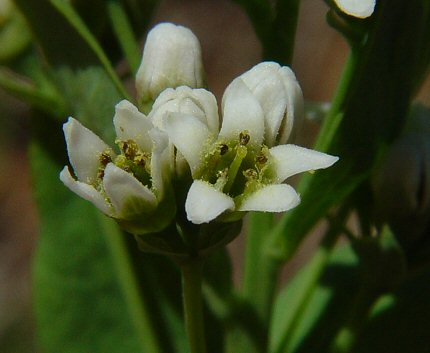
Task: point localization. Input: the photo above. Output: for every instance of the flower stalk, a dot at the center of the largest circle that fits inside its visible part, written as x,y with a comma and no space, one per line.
193,306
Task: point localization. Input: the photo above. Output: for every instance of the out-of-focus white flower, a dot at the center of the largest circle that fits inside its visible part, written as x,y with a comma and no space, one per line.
241,167
130,186
171,58
357,8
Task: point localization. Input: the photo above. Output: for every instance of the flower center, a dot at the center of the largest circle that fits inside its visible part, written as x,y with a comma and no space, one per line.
237,167
132,159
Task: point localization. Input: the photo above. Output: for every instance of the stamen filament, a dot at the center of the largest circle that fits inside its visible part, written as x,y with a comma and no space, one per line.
241,153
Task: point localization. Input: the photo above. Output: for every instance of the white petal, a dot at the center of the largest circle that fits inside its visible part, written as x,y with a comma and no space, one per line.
265,83
197,102
84,149
161,159
207,101
357,8
292,159
295,105
205,203
189,135
85,191
241,111
128,196
271,198
131,124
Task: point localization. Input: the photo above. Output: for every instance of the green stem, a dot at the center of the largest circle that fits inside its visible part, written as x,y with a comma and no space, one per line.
335,114
193,305
124,33
318,264
259,223
254,302
137,308
48,101
274,27
280,47
260,276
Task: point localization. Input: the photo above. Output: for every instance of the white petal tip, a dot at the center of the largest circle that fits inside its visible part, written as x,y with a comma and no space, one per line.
85,191
204,203
271,198
292,159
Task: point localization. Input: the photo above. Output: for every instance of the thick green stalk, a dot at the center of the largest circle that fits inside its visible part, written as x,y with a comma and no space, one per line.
124,33
193,304
335,114
249,335
259,280
280,46
318,264
137,307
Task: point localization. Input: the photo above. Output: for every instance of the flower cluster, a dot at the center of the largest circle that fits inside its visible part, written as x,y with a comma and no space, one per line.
129,186
229,166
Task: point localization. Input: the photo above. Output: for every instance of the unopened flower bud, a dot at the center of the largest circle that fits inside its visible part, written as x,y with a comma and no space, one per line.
171,58
356,8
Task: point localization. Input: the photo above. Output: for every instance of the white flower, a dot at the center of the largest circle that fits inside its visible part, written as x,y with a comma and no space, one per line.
234,169
171,58
130,186
357,8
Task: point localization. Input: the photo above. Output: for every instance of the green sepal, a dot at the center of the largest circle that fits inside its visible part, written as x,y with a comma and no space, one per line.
154,221
199,240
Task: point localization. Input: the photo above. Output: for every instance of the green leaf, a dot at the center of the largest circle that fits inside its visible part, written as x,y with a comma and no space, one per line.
91,98
309,326
78,301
